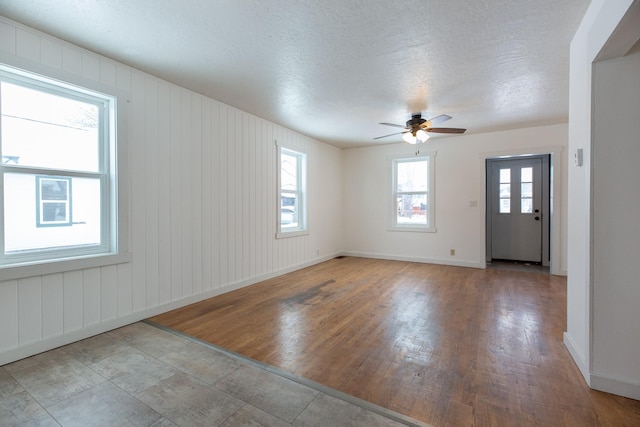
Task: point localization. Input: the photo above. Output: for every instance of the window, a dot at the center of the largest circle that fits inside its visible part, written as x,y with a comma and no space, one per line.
412,198
505,191
57,172
53,201
292,218
526,190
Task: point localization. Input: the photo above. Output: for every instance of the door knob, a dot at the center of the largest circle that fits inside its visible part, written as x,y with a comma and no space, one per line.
537,218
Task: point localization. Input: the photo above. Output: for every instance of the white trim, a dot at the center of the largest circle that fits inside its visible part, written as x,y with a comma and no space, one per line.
303,219
118,216
296,233
577,356
422,260
21,271
412,228
430,157
616,386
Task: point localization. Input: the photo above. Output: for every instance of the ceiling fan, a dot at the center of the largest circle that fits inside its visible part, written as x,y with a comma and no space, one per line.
417,129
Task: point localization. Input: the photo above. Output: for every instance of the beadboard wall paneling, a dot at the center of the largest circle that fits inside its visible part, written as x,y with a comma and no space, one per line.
200,182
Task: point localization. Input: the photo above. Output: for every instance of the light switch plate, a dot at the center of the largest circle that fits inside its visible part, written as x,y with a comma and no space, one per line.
577,157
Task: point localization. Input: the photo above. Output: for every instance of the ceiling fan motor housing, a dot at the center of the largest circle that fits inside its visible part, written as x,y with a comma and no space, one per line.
414,123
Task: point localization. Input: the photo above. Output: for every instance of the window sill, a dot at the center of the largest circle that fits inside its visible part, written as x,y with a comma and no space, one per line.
285,234
20,271
412,229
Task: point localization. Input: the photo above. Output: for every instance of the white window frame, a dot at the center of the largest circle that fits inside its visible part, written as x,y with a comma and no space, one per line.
429,227
300,193
114,239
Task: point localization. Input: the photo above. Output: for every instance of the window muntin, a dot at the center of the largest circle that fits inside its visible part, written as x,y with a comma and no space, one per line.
292,191
413,194
57,171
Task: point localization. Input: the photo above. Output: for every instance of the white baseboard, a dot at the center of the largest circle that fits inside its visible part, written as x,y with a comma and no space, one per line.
559,272
461,263
577,356
615,386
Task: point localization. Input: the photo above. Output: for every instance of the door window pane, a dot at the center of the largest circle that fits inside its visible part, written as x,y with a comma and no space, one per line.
526,190
505,191
505,176
505,205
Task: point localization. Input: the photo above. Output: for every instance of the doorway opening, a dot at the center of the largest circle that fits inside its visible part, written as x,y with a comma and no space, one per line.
518,212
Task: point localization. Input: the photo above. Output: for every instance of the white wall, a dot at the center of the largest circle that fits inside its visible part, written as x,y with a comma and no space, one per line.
616,228
202,206
595,297
460,181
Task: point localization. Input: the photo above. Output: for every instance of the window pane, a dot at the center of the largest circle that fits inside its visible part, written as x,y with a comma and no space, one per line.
289,210
526,205
288,172
505,176
412,175
54,212
54,189
412,209
40,129
505,205
292,172
505,191
22,232
526,189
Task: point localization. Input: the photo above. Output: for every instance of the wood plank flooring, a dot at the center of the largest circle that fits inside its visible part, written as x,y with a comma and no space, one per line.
446,345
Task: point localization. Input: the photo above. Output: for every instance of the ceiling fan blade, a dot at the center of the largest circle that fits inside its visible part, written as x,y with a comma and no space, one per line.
437,120
391,134
394,125
445,130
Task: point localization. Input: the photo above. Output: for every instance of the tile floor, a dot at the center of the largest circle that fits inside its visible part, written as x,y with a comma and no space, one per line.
142,375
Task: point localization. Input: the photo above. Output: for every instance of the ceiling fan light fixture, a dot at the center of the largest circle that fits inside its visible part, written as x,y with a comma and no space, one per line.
409,137
422,135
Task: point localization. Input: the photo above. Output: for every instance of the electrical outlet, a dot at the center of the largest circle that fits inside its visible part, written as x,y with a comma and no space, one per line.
452,252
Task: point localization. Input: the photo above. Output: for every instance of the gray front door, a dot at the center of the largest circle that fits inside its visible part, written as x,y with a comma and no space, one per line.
516,208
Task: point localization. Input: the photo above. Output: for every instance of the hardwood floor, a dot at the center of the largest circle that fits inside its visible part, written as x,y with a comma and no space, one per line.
445,345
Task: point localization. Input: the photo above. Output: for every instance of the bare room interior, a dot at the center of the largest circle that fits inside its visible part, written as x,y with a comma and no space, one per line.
302,213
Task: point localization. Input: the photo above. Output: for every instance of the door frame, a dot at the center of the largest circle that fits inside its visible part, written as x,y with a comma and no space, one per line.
545,199
556,171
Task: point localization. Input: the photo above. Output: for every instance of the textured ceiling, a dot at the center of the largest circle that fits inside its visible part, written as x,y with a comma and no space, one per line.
334,69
